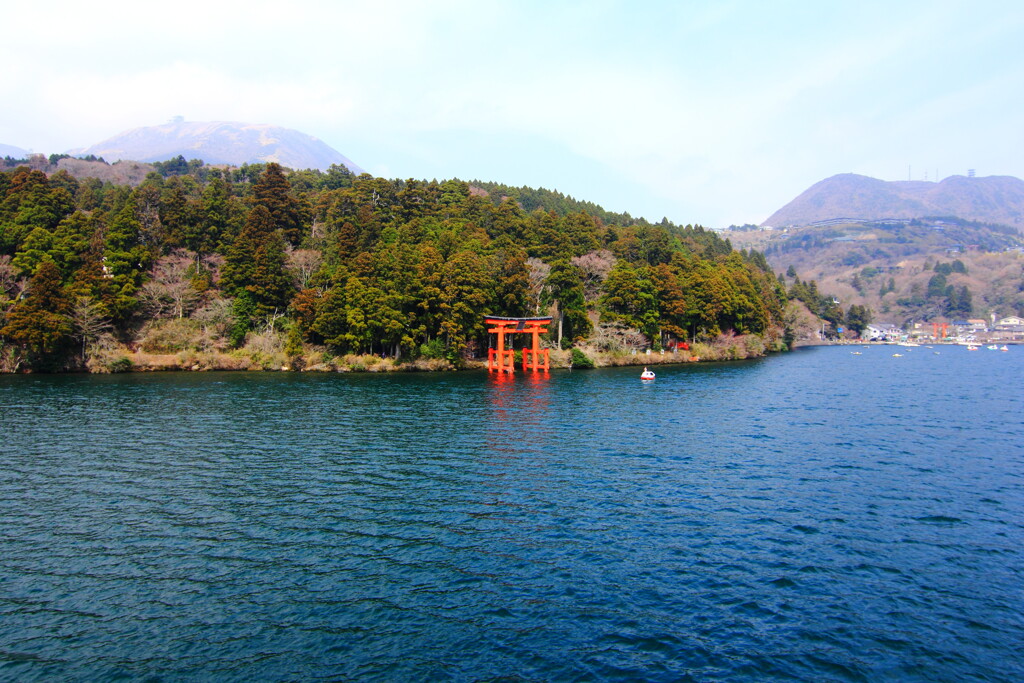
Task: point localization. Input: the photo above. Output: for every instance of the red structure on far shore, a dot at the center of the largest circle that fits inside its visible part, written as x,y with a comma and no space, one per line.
502,359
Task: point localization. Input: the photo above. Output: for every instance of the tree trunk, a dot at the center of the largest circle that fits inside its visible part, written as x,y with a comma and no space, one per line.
558,304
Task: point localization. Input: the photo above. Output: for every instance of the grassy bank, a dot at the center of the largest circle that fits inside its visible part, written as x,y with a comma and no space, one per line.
269,352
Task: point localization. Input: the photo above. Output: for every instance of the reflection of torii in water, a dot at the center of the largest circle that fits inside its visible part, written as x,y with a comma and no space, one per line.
502,359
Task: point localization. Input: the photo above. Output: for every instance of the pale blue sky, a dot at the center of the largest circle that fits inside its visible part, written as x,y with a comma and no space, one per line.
711,113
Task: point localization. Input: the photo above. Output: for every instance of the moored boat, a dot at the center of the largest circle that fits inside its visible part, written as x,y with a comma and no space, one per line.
647,374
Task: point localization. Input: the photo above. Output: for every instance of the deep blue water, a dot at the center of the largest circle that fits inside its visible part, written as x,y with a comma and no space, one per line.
813,516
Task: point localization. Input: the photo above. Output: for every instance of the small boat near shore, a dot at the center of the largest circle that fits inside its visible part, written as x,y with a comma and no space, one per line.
647,375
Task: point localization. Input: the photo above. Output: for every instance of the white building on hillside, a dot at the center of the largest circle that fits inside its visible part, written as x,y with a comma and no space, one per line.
881,332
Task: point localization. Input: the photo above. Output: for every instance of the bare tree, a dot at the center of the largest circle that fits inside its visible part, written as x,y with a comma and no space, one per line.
594,267
11,286
211,265
270,321
317,230
170,292
88,322
216,318
302,264
539,272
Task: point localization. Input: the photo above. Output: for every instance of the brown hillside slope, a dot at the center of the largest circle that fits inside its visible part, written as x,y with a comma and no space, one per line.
887,266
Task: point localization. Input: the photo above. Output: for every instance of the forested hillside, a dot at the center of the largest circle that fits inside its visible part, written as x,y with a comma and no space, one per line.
198,260
934,269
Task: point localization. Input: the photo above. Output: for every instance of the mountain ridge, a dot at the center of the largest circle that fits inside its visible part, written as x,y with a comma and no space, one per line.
12,151
991,199
219,142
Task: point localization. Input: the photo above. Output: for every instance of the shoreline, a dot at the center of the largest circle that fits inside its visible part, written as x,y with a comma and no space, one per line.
122,360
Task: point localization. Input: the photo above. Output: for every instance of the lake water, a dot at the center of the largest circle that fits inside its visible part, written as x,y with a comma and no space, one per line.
813,516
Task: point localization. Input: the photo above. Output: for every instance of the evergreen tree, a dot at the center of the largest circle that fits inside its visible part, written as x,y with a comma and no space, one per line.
857,318
39,323
960,302
511,280
216,219
565,288
125,262
463,297
273,193
255,265
30,203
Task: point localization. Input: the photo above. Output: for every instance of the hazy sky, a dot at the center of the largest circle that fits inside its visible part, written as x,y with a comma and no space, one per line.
704,112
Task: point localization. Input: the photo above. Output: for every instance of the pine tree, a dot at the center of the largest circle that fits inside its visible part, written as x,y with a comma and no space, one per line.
255,265
125,262
273,192
39,322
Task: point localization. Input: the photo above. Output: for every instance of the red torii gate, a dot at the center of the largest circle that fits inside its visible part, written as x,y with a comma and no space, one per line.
502,359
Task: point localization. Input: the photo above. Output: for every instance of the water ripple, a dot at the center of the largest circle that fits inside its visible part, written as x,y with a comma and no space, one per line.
739,521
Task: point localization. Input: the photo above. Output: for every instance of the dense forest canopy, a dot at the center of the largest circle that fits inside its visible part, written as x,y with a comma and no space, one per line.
352,264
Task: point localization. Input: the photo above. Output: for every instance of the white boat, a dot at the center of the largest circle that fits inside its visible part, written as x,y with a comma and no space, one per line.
647,374
992,347
1004,348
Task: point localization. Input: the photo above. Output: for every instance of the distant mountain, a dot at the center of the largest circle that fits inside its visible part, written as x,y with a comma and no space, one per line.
994,199
220,142
12,151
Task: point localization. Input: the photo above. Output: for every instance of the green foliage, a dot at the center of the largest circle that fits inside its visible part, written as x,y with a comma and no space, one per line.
956,266
580,360
788,337
565,288
120,364
960,302
31,202
631,297
255,265
433,349
40,323
243,311
273,192
177,166
857,318
402,267
293,343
